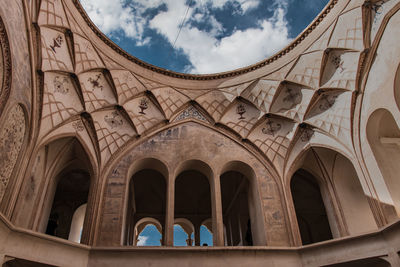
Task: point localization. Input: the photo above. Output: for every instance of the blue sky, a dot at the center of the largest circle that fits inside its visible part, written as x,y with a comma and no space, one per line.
151,237
217,35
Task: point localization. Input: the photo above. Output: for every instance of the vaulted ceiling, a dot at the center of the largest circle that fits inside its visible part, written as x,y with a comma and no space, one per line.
91,91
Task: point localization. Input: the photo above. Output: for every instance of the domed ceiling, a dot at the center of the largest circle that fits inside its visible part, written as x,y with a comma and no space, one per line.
95,90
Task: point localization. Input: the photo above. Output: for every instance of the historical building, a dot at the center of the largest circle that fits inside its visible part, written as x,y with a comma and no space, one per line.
293,161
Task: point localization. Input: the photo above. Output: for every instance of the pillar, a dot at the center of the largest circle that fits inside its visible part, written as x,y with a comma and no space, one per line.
217,220
197,234
170,212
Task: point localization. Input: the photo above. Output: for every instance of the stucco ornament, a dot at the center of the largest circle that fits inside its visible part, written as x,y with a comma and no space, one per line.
11,139
5,66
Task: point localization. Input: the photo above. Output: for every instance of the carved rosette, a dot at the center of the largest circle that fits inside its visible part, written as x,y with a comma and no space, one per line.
5,66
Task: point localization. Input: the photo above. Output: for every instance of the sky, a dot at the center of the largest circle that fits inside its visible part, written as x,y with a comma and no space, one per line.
151,237
202,36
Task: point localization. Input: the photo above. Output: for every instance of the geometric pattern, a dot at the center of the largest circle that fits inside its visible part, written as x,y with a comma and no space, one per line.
331,113
348,32
127,85
307,70
75,28
232,92
55,52
113,131
261,94
96,91
285,89
60,99
340,70
194,93
281,73
241,117
52,13
190,112
170,100
291,101
273,136
214,103
143,113
150,85
86,57
322,43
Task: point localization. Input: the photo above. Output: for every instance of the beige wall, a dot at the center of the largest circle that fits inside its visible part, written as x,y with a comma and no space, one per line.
316,105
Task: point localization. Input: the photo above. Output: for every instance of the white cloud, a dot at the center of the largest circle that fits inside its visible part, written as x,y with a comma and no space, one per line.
244,5
142,240
205,50
113,16
209,54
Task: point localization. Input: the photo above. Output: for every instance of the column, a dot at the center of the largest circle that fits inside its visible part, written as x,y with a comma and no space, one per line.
217,220
170,212
197,234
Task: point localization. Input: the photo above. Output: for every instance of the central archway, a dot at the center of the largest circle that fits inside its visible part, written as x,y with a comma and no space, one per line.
193,199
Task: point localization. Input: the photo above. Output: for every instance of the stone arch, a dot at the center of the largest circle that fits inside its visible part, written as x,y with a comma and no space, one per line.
344,199
241,178
185,224
197,165
188,228
142,224
145,196
206,226
311,212
148,163
174,147
195,193
383,135
69,184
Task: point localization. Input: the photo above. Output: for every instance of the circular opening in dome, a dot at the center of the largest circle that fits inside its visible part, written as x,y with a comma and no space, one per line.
202,36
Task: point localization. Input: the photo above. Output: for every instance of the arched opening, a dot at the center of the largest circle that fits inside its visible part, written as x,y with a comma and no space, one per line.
383,136
148,232
146,202
193,199
311,214
206,235
328,197
181,238
235,209
68,192
183,233
71,193
241,206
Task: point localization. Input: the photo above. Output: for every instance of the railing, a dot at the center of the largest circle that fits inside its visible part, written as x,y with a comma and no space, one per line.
380,247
